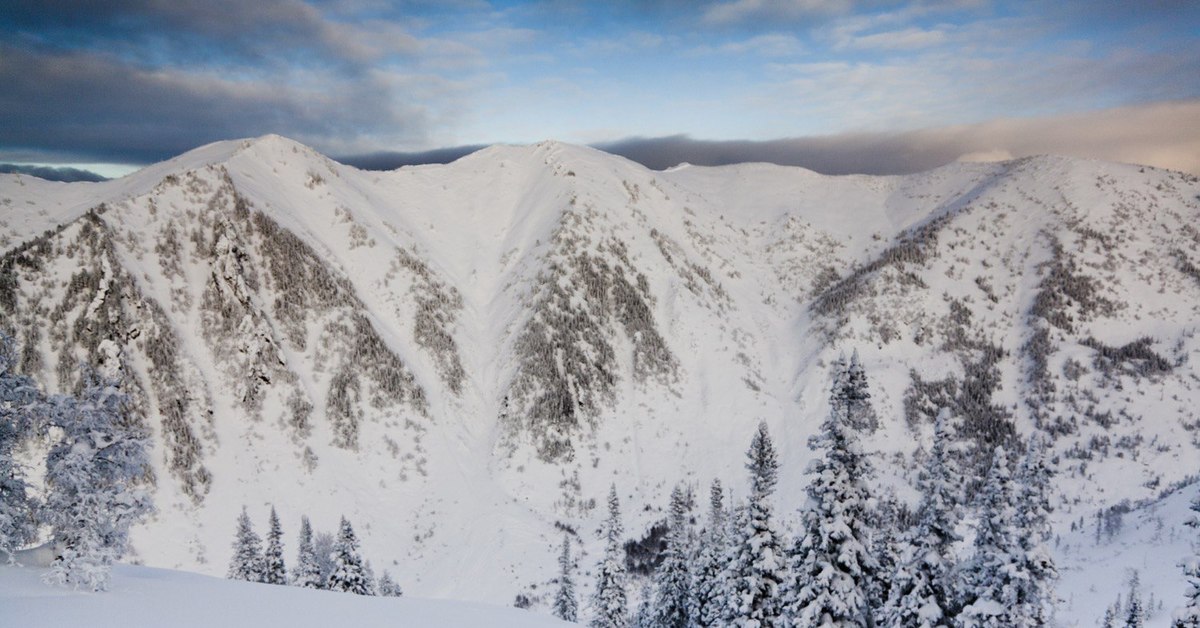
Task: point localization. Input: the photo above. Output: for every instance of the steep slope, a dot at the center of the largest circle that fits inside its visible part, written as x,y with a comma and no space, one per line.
461,358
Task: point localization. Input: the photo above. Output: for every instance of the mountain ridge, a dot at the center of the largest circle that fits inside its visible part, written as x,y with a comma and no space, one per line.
506,334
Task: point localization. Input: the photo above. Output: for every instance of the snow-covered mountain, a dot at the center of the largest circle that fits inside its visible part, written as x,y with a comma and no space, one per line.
461,358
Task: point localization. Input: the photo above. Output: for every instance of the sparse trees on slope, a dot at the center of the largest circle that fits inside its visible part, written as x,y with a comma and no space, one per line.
833,572
307,573
708,599
21,407
566,605
274,569
92,482
1188,616
247,562
756,568
610,606
349,575
922,593
673,579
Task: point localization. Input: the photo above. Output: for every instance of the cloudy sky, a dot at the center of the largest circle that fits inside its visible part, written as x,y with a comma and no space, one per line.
837,85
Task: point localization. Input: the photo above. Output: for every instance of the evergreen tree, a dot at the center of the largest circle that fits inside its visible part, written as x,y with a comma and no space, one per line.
348,575
708,599
990,577
609,601
307,573
22,407
833,573
1035,589
922,593
93,477
673,579
247,562
1135,611
644,617
388,587
274,570
1189,615
850,390
566,606
756,569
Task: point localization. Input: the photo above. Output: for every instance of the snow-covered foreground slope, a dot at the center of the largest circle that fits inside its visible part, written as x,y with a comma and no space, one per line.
462,358
142,596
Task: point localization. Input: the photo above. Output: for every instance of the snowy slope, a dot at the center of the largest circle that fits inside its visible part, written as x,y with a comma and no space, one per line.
460,357
142,596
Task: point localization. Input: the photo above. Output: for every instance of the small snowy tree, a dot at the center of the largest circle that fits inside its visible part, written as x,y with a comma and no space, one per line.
307,573
756,568
708,599
673,579
93,476
922,592
274,569
348,575
323,543
21,408
1189,615
833,573
566,606
387,587
610,605
247,562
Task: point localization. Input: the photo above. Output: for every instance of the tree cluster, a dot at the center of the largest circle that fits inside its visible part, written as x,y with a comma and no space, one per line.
858,558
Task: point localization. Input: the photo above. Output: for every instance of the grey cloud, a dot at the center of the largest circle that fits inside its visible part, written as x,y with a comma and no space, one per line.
1160,134
199,31
390,160
52,173
94,108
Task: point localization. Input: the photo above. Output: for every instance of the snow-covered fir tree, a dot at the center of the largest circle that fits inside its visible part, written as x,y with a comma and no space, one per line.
1135,609
387,587
274,569
673,578
989,578
610,605
22,407
307,573
756,568
708,599
93,481
833,572
923,591
644,617
247,562
850,389
566,604
1035,591
1188,616
348,574
369,576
